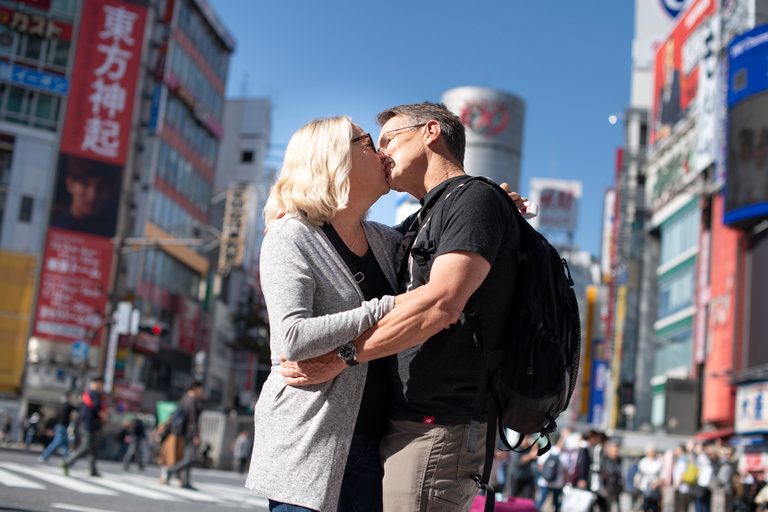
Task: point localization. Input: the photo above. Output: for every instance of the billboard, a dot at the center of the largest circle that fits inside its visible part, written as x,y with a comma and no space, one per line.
74,283
717,396
609,219
494,130
558,201
751,417
677,68
746,185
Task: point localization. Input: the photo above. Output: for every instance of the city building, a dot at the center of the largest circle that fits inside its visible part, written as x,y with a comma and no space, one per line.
240,190
36,43
127,213
179,146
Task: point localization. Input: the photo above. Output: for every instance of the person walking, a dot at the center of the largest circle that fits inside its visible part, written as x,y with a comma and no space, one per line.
241,451
191,407
136,440
30,428
650,481
89,427
553,467
520,481
60,436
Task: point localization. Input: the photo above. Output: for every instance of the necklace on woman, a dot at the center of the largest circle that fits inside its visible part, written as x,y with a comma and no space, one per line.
356,235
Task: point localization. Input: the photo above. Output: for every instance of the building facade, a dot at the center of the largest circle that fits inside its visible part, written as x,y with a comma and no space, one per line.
36,43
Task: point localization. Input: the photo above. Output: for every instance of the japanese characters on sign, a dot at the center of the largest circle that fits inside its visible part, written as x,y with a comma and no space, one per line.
94,146
33,79
34,25
104,81
73,289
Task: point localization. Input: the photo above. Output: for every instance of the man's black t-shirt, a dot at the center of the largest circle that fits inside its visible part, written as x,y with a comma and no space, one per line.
437,381
372,418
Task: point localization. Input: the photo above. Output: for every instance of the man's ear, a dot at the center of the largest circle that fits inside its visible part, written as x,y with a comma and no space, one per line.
432,131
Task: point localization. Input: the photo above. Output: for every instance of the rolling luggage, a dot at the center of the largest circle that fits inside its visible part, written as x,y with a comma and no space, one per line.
505,505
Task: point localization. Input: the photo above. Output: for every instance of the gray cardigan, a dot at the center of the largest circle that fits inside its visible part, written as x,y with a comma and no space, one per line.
302,434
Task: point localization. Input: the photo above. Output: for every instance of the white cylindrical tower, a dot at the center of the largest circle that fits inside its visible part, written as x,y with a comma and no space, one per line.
494,123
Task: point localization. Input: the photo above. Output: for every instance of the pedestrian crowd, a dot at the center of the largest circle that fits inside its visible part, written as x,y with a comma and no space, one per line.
586,472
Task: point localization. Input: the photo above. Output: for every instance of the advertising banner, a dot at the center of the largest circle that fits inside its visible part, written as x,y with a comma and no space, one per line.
28,77
189,320
74,284
599,385
751,415
746,189
75,277
677,69
107,62
558,201
706,101
609,219
717,397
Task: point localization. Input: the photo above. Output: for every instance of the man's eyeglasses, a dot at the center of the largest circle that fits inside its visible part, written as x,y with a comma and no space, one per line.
385,139
367,141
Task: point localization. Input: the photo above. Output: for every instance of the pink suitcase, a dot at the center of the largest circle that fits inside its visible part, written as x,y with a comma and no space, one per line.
505,505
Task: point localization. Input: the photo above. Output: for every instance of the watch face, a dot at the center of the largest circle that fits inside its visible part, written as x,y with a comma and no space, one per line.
348,352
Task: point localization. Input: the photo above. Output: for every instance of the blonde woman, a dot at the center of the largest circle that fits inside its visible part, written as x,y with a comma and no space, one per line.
327,276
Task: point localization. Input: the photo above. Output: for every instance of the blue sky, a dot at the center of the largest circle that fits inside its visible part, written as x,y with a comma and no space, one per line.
569,61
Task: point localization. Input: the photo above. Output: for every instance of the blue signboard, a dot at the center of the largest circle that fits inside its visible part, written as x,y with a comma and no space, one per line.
34,79
597,412
79,350
746,182
748,65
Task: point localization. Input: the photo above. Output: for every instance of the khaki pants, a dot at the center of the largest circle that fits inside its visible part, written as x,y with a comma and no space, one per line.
428,467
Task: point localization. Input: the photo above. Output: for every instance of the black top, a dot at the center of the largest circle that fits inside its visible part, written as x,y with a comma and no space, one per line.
437,381
89,410
192,407
372,418
63,413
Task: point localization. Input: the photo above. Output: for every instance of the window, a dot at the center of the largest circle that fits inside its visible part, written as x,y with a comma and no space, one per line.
676,292
247,156
679,235
8,39
25,211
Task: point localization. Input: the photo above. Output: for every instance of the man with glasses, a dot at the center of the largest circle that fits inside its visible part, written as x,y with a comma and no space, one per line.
449,254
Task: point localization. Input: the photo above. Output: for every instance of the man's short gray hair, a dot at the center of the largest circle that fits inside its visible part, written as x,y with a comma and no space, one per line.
418,113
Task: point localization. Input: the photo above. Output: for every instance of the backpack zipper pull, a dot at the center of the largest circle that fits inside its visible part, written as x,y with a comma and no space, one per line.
538,326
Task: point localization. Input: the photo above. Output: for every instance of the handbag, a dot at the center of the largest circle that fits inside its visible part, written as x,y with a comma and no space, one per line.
577,500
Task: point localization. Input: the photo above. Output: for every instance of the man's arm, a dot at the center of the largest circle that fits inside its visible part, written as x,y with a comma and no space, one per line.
418,315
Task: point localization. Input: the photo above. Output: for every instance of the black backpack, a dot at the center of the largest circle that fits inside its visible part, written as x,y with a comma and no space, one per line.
550,468
530,380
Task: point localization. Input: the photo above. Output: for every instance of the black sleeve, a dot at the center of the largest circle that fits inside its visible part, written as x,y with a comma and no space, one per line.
476,219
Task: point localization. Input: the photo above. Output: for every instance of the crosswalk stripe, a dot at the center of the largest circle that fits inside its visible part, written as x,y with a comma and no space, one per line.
60,480
11,480
108,480
177,491
78,508
240,495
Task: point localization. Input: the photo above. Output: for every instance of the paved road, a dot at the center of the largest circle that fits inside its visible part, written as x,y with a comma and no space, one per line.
27,485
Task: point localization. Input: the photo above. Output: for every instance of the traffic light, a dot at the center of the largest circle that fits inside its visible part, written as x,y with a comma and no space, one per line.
154,328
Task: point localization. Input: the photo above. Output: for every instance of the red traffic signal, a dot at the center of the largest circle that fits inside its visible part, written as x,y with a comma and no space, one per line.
157,330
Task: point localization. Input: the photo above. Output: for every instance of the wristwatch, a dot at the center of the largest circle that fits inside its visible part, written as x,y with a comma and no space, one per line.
348,354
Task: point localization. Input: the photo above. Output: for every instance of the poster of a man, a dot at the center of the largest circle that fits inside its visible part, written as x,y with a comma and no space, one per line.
669,95
87,193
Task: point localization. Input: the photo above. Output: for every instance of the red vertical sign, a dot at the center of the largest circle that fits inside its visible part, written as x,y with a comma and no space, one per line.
98,121
718,403
78,253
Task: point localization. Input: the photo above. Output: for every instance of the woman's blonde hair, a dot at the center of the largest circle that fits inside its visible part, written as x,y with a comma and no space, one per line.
314,180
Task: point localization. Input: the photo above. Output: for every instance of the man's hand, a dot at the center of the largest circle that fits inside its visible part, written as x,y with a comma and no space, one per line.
196,441
311,371
516,198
